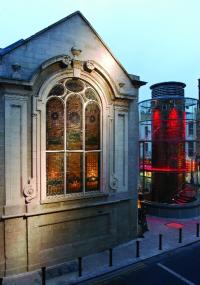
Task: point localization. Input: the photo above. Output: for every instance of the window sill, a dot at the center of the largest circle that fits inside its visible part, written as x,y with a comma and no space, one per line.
64,205
74,196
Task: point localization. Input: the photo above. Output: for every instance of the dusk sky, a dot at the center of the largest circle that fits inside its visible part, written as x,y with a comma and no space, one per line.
159,40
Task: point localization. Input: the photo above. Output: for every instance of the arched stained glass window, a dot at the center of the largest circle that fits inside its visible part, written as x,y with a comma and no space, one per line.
73,143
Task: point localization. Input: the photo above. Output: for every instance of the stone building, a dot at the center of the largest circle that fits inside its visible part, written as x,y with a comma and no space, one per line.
68,148
198,129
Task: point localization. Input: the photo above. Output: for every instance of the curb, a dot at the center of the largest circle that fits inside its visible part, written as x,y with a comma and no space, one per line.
121,269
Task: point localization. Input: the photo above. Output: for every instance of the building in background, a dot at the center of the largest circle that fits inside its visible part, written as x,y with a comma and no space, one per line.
168,151
68,148
198,130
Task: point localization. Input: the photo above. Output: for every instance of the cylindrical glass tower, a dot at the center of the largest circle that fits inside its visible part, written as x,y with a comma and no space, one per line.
168,158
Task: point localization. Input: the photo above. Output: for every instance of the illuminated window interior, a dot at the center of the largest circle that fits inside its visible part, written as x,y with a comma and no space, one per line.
72,138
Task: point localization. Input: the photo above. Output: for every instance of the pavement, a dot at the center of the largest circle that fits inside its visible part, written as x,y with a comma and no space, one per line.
126,254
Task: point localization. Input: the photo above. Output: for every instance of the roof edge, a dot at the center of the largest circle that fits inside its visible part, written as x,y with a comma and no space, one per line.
24,41
94,31
165,83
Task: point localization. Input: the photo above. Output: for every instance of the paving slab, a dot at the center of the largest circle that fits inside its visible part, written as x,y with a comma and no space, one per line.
125,254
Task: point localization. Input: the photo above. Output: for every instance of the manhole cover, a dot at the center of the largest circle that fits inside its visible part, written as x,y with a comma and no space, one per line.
174,225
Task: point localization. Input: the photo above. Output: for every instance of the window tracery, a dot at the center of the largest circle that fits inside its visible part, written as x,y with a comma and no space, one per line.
73,148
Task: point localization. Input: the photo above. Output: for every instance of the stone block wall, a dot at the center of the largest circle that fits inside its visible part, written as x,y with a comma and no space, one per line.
49,239
2,162
2,249
15,246
36,230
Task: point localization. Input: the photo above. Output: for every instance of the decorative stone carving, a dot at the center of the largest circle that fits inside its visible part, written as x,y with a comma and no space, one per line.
66,61
29,190
16,67
89,66
75,51
16,71
114,182
121,84
77,67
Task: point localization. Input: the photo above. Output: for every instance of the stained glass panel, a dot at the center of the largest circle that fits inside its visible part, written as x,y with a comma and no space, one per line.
92,161
58,90
76,168
74,172
90,94
55,173
74,123
92,127
75,85
54,124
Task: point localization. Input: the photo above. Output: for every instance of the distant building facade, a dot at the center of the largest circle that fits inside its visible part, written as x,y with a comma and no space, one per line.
68,148
198,129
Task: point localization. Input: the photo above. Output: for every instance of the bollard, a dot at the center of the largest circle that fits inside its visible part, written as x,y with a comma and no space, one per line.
160,241
80,266
137,248
44,275
110,257
1,281
197,230
180,235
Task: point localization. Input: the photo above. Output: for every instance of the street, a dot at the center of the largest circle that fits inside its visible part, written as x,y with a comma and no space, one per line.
178,267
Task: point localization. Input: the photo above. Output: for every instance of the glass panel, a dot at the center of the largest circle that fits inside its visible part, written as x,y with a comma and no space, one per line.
92,127
75,85
90,94
55,173
92,168
74,123
74,181
54,124
58,90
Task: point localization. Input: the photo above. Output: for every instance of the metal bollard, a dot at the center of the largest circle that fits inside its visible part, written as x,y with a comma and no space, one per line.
160,241
180,235
110,257
43,275
137,248
197,229
80,266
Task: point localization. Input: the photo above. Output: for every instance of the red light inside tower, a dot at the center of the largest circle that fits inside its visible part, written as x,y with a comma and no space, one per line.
173,129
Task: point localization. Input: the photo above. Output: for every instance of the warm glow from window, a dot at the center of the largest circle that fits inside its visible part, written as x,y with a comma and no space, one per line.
72,138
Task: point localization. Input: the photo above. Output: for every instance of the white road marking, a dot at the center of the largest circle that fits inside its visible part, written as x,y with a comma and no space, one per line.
176,274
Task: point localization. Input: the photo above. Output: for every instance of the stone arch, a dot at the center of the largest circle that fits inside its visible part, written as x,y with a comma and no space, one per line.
38,134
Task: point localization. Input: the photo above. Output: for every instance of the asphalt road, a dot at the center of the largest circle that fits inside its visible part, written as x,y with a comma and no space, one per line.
178,267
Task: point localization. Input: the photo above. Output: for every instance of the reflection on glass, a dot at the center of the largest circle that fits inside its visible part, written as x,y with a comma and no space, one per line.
74,174
55,173
92,127
54,124
74,123
92,171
